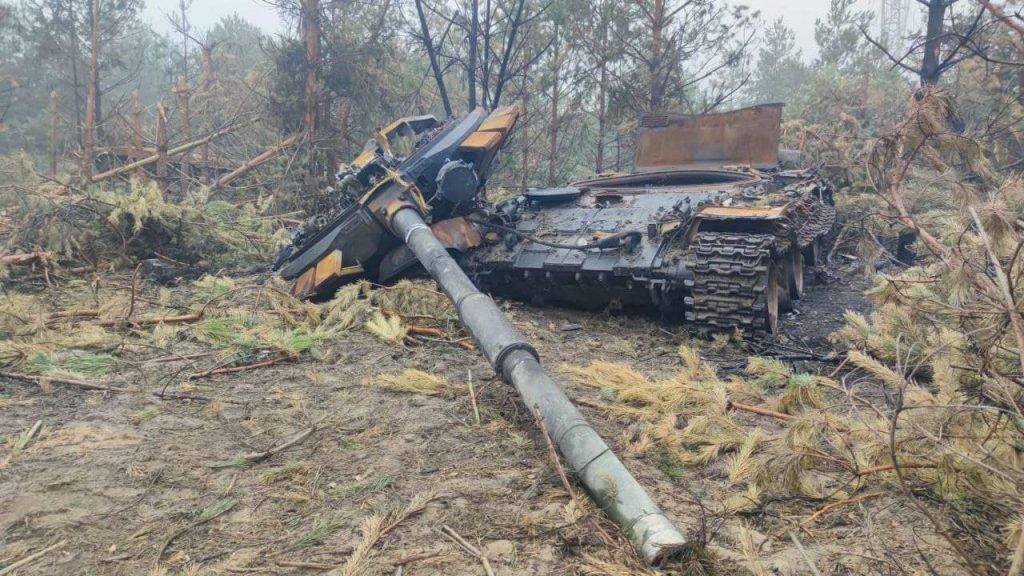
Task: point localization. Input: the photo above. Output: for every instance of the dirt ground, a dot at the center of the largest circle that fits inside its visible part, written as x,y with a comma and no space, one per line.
128,483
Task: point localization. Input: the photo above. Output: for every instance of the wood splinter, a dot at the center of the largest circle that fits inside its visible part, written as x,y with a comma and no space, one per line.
452,535
10,568
54,380
24,259
242,368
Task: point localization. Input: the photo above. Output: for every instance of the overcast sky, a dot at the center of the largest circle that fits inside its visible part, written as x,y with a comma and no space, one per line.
798,14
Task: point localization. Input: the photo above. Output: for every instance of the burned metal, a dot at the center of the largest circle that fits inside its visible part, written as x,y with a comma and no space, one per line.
720,250
379,229
695,237
711,230
745,137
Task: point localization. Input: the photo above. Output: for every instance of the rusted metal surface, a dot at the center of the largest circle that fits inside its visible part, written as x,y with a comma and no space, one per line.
743,212
457,234
744,137
688,181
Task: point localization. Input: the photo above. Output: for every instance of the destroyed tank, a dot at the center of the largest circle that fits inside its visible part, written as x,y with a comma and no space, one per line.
711,228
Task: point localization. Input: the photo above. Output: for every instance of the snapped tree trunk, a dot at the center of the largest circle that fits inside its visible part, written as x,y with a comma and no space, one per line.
137,150
257,161
161,147
182,90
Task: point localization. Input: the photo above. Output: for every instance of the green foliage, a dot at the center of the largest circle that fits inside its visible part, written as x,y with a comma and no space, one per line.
76,364
145,414
322,529
210,288
216,509
111,222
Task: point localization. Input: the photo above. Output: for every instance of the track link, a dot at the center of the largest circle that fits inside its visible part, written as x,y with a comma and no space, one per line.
730,283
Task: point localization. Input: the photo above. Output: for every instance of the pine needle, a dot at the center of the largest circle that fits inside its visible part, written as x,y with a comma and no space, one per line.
387,328
373,529
413,381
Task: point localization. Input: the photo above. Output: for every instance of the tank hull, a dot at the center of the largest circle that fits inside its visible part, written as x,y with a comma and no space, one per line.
717,249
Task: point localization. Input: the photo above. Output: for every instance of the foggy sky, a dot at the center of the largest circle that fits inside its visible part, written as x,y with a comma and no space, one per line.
797,14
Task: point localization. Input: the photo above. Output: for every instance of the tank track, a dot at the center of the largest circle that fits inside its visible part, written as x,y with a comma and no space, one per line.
730,281
819,223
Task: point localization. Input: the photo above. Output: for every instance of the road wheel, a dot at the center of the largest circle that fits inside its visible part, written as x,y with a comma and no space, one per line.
814,253
771,296
784,287
795,274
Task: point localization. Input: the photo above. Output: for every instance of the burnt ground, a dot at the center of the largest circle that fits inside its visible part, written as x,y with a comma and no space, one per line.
129,483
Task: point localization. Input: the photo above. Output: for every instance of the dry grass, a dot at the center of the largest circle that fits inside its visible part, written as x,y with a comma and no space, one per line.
818,448
413,381
376,527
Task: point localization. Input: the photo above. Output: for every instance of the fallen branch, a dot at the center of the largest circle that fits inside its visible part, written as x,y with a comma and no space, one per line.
151,321
199,522
890,468
63,314
196,397
804,555
730,405
31,434
176,358
55,380
826,508
256,457
415,558
23,259
256,161
608,540
426,331
472,395
452,535
309,565
30,558
242,368
176,151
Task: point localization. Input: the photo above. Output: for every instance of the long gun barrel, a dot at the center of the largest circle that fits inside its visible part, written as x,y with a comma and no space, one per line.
606,479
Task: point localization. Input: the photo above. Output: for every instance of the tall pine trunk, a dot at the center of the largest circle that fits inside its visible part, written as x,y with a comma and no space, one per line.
657,88
602,95
553,125
930,71
310,29
92,97
524,140
474,32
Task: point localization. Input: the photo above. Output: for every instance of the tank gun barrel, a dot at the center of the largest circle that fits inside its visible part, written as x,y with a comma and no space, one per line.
602,473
